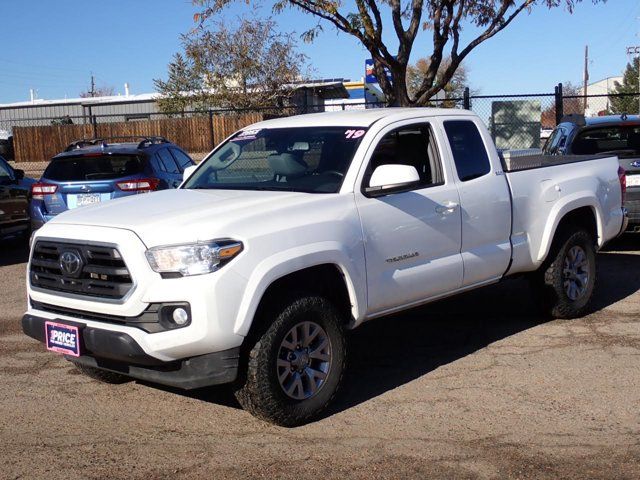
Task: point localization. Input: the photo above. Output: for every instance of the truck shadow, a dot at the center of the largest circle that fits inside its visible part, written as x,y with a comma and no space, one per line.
13,252
389,352
392,351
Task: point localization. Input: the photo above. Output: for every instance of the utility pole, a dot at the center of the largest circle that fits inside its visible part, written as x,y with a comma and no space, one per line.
92,92
585,78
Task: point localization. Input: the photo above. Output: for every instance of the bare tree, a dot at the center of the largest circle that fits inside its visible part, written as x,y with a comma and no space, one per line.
443,18
103,91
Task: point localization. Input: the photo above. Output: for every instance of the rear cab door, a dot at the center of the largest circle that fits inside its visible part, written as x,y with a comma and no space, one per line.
485,200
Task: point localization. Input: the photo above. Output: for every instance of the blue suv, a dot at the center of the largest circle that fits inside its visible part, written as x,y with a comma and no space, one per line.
100,169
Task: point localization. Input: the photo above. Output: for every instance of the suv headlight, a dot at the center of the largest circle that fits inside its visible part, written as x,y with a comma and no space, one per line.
193,258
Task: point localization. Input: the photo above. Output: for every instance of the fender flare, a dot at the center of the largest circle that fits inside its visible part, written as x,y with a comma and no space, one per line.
560,210
293,260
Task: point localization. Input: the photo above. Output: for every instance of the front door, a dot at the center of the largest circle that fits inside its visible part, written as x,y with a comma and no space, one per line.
412,237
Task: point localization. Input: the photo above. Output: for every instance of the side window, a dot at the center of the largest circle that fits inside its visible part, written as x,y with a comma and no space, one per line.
410,145
5,170
167,163
182,158
556,141
469,152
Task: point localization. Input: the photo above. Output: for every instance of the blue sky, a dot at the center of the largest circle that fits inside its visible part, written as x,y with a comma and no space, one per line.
53,46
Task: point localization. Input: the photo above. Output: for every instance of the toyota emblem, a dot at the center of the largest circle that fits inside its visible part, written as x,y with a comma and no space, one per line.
70,263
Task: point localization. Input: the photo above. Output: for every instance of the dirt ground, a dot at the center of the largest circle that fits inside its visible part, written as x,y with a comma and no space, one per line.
473,387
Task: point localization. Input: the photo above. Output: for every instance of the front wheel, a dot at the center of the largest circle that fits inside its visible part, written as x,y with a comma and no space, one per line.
566,281
295,367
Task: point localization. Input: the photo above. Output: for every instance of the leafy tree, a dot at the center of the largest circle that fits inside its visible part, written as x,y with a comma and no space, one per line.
177,92
453,90
251,65
629,85
569,105
444,19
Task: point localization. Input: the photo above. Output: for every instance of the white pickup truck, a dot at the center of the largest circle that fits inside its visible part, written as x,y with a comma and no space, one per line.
296,229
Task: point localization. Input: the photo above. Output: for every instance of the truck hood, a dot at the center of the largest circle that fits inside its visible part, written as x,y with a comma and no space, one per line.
174,216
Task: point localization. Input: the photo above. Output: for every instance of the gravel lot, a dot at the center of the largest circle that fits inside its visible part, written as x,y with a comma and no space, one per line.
472,387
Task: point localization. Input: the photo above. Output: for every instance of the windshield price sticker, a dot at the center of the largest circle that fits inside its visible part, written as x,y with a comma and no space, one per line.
353,134
248,134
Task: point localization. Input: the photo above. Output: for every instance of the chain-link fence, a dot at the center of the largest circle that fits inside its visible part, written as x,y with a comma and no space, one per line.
36,132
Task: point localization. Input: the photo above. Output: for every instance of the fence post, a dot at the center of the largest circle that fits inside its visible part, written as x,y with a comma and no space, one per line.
559,104
211,136
93,121
466,100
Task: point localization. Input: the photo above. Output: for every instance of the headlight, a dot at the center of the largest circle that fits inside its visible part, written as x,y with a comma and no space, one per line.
194,258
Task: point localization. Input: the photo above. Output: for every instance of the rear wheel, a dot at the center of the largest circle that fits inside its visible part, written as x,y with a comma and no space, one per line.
295,367
565,282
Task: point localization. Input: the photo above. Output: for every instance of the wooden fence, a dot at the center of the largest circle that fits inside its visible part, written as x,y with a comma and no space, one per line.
193,134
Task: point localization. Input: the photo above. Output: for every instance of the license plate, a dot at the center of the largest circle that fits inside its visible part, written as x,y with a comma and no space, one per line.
62,338
88,199
633,180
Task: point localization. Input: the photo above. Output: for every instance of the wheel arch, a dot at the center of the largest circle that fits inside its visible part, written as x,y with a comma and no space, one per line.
321,271
583,212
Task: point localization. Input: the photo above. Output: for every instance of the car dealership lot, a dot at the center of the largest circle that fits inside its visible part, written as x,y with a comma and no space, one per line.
476,386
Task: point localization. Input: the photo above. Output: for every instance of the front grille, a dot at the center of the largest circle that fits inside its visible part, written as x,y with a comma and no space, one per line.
102,272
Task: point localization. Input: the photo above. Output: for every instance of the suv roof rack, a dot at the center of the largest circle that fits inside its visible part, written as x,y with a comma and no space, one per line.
143,141
576,118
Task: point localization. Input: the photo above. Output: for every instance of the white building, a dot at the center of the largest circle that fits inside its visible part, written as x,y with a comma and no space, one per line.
599,105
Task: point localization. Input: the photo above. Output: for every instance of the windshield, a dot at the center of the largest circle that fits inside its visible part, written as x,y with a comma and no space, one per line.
624,140
100,167
304,159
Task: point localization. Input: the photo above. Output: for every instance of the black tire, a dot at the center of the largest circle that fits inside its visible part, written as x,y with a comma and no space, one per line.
552,283
260,392
103,376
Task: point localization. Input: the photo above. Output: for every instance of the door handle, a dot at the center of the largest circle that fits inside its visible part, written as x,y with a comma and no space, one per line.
446,209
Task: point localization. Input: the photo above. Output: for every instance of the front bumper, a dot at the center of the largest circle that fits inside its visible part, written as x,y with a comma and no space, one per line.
214,299
119,352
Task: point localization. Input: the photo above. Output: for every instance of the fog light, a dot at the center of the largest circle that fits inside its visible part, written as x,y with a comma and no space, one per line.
180,316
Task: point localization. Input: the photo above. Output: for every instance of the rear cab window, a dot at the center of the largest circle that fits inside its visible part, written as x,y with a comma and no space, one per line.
623,140
469,152
93,167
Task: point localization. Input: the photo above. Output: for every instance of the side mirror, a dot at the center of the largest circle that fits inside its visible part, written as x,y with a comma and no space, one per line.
392,178
188,172
19,174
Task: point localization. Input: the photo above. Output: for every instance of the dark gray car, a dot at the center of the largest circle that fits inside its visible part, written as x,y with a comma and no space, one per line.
612,134
14,201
